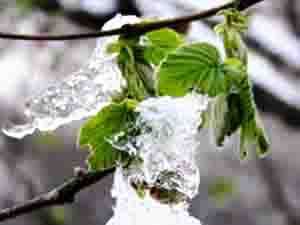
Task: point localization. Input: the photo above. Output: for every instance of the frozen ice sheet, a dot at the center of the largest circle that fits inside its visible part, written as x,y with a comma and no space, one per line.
80,95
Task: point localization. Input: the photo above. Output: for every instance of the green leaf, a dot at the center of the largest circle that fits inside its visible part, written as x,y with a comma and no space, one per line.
247,138
227,109
226,116
192,67
236,72
263,143
235,46
218,111
234,19
252,131
136,71
159,43
228,113
223,112
234,115
97,131
235,23
242,112
253,136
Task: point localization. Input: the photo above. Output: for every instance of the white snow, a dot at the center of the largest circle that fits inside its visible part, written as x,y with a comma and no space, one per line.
130,209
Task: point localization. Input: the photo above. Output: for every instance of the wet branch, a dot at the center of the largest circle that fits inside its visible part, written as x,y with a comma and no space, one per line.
135,29
63,194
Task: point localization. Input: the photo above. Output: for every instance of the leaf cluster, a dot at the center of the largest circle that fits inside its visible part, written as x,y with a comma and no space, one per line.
160,63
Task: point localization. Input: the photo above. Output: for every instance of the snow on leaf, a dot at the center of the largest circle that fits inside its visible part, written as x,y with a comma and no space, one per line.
98,130
80,95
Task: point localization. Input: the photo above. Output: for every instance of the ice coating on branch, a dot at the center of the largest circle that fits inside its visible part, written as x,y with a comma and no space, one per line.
167,142
167,145
130,209
78,96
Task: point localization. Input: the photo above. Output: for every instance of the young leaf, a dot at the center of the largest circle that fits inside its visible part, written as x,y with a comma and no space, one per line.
253,136
136,71
246,138
235,23
252,131
135,86
159,43
226,110
97,131
237,109
226,116
192,67
233,118
218,111
236,72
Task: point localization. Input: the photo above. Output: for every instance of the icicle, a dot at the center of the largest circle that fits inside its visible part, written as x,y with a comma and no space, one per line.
80,95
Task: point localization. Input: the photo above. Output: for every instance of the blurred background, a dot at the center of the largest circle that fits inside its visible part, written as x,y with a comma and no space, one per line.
254,192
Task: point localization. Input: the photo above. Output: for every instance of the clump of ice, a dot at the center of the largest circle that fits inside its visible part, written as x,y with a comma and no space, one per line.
167,143
80,95
130,209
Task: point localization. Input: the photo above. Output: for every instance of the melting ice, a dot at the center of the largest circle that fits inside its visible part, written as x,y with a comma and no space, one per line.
130,209
167,144
80,95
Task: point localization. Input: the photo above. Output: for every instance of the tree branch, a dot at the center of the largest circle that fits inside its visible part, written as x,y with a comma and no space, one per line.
64,194
136,29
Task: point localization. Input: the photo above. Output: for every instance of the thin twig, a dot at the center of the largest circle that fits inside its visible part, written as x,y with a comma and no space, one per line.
138,28
64,194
